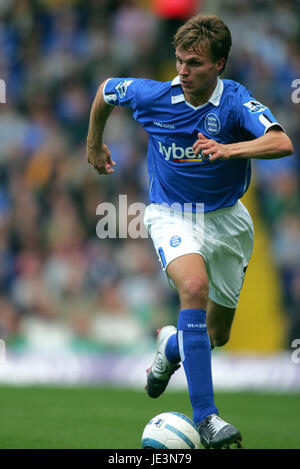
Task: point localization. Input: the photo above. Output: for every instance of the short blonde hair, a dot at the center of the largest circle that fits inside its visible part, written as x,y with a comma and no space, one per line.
207,31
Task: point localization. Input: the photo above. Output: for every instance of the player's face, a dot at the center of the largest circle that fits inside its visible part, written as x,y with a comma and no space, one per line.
198,73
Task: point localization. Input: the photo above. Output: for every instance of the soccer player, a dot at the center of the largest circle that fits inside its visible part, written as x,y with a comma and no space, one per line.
203,132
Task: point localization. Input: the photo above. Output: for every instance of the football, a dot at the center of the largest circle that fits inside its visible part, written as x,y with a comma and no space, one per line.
170,430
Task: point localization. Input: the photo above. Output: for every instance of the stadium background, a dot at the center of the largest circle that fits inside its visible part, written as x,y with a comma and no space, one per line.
77,309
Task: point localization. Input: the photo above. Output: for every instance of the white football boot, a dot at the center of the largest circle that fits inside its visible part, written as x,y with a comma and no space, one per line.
216,433
159,374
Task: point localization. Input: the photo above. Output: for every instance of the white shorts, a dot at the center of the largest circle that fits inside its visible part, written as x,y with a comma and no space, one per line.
224,238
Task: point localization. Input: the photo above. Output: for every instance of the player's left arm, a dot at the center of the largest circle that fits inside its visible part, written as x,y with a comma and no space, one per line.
275,143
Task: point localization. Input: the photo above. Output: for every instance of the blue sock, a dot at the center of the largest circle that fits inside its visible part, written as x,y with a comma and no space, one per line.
172,350
195,353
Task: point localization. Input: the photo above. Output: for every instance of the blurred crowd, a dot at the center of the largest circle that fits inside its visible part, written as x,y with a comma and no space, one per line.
266,59
59,283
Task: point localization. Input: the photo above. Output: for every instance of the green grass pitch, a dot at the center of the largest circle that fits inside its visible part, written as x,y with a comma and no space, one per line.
110,418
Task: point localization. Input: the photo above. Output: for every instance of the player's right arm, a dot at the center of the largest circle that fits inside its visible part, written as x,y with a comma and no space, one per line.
98,154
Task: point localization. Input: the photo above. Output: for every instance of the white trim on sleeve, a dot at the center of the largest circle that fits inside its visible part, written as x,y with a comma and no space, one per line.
268,124
109,98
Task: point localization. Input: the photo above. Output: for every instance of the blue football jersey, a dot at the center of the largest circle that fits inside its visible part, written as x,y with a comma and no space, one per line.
176,175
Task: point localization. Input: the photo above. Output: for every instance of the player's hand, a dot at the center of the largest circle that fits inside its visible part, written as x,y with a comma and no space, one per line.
209,149
100,159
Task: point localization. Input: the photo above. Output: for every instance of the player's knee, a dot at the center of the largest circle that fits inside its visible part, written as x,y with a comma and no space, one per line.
194,290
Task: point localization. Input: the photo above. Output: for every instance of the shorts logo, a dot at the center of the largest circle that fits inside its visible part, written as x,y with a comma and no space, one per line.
254,106
121,88
212,124
175,241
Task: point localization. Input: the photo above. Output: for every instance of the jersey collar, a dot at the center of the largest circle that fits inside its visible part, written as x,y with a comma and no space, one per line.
177,95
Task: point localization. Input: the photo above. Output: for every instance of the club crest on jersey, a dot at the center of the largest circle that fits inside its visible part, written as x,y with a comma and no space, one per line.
121,88
254,106
212,124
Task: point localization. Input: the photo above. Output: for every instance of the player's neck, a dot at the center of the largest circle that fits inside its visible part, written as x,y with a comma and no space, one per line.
200,96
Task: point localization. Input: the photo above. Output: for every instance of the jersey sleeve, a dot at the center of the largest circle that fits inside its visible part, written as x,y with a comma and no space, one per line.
254,118
121,92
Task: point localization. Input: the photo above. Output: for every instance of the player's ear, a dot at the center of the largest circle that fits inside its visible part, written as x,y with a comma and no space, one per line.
219,64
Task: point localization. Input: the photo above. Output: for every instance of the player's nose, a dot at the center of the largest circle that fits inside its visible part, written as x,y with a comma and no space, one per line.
183,70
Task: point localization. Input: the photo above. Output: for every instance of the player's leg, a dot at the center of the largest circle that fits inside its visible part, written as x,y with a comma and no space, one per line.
189,275
172,236
219,322
192,345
